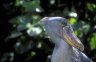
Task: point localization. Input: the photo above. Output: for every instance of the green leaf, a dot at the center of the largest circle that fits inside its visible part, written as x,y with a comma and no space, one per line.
17,3
91,6
31,5
33,53
93,41
76,32
72,21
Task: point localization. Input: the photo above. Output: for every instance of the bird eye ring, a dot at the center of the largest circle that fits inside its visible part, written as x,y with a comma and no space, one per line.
64,24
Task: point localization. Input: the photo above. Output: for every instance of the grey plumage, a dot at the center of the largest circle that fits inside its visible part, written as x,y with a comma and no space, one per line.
68,48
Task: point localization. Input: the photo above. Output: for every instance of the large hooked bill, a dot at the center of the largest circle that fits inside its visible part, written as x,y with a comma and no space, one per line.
72,40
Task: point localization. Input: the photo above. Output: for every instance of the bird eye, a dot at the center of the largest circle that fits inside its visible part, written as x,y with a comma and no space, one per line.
64,24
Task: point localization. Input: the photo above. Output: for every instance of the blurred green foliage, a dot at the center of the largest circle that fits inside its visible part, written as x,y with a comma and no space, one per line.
25,40
93,41
72,21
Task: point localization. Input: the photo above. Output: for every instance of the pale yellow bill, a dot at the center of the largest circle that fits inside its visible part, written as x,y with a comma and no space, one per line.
72,40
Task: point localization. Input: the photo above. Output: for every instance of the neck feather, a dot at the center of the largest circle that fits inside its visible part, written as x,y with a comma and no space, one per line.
62,51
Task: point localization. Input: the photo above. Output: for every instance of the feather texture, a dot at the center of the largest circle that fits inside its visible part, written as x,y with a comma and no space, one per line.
56,28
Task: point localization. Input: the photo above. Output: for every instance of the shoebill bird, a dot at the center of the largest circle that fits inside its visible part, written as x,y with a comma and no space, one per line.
68,48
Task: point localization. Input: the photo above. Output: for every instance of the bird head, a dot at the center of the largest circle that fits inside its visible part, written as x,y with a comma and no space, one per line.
60,27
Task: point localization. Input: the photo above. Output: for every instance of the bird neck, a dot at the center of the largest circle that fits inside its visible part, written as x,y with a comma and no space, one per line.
62,51
62,45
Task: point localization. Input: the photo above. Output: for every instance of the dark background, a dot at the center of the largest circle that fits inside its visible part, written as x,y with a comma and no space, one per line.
23,39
